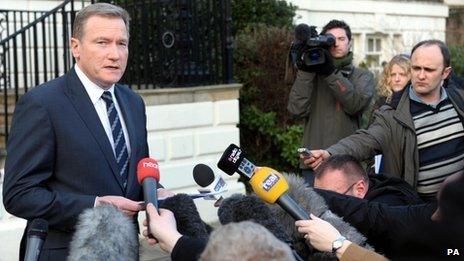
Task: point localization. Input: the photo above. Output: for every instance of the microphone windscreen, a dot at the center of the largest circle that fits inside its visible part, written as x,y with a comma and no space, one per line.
188,219
104,233
313,203
238,207
231,159
302,32
203,175
39,228
147,167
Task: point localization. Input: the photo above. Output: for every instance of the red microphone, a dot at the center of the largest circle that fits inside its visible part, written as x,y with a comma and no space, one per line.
148,176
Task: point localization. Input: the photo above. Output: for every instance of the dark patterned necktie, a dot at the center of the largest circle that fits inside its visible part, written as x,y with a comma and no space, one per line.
120,149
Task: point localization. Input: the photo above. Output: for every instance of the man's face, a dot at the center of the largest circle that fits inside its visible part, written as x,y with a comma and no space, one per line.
428,72
398,78
337,181
102,52
342,44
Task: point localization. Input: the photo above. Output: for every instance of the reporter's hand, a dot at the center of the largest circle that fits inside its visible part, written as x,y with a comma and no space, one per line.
127,206
163,228
316,158
318,232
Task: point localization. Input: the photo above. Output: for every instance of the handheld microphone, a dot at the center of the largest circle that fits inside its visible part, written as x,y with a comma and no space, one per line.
267,183
272,187
233,160
35,238
204,177
104,233
238,208
148,176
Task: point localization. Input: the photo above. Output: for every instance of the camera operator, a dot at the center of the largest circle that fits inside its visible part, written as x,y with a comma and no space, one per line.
329,94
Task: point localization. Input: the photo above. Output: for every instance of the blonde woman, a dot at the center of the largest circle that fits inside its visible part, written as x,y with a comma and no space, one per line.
395,76
393,79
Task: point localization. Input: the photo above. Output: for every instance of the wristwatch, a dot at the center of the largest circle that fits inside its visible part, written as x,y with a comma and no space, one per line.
337,243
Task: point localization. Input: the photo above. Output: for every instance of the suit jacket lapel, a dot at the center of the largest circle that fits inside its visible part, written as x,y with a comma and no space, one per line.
123,103
84,107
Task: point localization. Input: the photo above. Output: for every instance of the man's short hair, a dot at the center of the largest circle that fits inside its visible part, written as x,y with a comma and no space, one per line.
443,48
245,241
345,163
98,9
337,24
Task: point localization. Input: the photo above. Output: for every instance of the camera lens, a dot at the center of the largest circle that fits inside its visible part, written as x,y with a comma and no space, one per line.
313,57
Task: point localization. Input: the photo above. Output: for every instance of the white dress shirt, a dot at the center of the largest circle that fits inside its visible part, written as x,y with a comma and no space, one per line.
95,93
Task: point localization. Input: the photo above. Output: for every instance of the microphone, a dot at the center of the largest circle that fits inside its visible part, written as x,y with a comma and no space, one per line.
204,177
188,220
267,183
35,238
313,203
238,208
272,187
148,176
233,160
104,233
302,32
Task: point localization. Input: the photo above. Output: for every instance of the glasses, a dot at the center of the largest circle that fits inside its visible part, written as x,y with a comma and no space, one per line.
349,188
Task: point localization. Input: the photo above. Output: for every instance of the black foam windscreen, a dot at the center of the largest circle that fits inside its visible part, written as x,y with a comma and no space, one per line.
302,32
38,227
188,219
203,175
231,159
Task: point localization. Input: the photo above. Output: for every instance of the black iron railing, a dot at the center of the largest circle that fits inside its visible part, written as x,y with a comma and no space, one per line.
34,53
178,43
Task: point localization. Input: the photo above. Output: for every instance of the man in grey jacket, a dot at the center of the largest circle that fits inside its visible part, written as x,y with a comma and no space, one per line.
330,97
422,136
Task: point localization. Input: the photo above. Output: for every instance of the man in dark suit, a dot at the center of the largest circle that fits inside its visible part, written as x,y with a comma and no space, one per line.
75,141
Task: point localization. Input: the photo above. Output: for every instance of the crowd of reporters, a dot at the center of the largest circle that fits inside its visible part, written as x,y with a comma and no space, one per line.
333,209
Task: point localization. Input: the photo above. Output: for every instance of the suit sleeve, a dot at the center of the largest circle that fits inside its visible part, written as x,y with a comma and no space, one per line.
354,94
299,101
29,168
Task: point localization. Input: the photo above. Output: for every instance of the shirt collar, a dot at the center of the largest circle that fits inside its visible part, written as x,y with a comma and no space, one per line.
413,95
94,91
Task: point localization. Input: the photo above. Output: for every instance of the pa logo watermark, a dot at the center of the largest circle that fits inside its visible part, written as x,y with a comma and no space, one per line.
452,252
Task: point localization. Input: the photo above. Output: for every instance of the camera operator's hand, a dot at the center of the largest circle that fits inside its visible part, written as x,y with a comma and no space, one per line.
326,68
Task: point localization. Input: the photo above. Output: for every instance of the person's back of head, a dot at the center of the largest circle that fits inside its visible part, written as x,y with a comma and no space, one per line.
343,174
245,241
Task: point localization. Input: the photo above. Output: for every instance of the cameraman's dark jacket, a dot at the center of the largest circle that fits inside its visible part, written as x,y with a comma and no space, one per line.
331,106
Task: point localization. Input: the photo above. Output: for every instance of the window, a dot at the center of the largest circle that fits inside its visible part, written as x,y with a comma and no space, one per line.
373,53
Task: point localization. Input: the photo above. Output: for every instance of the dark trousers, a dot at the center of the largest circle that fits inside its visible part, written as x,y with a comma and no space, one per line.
308,175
